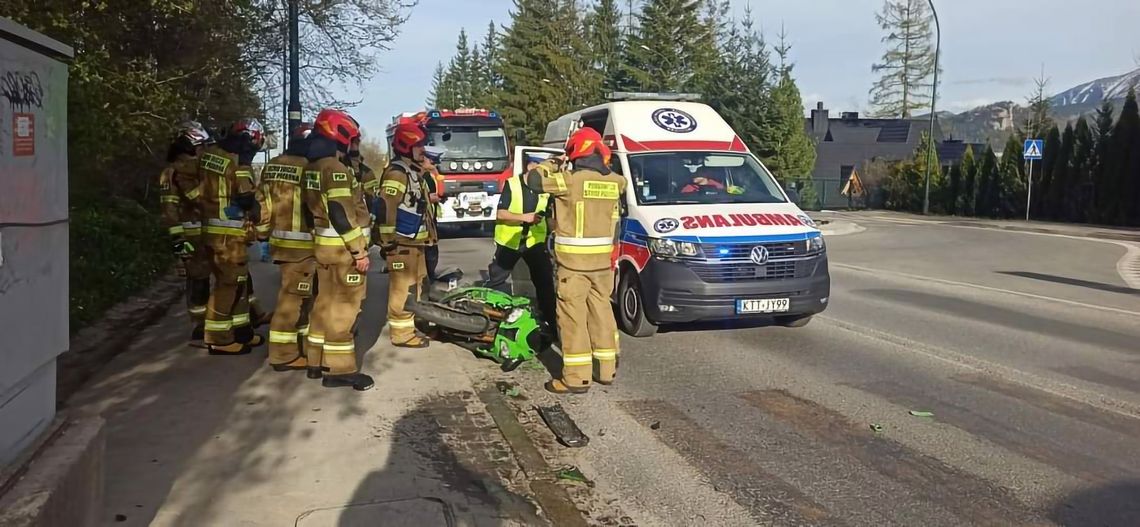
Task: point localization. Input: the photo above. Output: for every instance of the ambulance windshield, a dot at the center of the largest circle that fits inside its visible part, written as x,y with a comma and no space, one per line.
675,178
469,143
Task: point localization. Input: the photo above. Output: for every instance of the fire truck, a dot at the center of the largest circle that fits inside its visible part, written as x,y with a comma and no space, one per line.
475,164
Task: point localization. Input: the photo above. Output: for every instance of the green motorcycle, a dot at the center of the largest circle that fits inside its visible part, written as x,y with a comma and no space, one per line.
491,324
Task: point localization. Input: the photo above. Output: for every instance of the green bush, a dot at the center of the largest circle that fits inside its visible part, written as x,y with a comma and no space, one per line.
117,249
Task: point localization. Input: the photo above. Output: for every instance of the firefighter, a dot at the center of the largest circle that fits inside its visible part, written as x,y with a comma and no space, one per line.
407,229
228,202
341,252
587,205
284,227
179,193
520,233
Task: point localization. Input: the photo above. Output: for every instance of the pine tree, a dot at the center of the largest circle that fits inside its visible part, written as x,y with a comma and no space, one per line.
908,64
603,34
1102,194
1040,111
661,57
1043,171
965,196
788,150
743,93
1124,162
1059,183
1076,200
487,95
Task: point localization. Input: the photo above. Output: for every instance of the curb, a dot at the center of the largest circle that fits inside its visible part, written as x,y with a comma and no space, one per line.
554,500
61,482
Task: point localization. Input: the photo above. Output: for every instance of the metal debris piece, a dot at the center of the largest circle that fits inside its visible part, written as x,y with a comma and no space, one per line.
921,413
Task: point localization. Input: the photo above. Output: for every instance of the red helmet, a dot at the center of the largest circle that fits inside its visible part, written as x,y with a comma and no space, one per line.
251,130
301,132
585,141
406,137
338,126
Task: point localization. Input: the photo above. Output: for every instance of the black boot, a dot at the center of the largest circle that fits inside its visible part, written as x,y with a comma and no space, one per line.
359,381
198,337
314,372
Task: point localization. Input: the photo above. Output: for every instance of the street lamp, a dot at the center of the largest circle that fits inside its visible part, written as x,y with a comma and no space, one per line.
933,105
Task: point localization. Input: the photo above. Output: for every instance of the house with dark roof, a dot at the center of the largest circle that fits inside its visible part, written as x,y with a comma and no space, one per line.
849,143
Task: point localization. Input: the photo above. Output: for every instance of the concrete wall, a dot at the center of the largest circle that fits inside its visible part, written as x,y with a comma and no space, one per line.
33,232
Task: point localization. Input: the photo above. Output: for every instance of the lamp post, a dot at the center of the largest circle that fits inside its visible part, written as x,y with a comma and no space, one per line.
294,69
933,105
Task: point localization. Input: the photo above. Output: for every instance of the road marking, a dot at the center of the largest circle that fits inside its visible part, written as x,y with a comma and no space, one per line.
992,369
768,499
966,495
984,288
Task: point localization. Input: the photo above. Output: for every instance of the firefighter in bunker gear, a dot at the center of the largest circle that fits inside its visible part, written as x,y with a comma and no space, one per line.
407,228
341,252
587,205
179,193
521,230
289,234
228,201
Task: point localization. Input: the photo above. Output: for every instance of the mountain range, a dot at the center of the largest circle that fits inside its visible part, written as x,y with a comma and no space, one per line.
993,123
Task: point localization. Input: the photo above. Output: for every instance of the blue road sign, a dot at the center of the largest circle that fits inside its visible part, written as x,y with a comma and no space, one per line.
1034,149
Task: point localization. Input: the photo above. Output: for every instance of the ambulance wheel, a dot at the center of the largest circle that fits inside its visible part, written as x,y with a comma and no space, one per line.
631,307
794,321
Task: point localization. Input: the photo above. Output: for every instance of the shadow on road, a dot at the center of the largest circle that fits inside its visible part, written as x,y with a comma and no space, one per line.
720,325
1113,504
1100,286
437,440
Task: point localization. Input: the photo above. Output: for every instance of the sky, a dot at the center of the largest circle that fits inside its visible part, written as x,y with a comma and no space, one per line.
992,50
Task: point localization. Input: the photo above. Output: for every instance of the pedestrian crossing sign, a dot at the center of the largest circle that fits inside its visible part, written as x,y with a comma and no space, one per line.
1034,148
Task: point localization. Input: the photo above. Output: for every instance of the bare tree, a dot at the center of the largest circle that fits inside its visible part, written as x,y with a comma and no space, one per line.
340,41
908,63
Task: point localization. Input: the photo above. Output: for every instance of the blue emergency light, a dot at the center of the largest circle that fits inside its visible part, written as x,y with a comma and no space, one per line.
434,114
723,251
493,114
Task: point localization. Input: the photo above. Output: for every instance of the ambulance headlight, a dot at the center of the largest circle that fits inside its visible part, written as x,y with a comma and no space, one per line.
815,245
670,248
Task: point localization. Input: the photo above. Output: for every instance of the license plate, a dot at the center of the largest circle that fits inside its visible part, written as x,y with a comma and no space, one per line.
473,199
764,305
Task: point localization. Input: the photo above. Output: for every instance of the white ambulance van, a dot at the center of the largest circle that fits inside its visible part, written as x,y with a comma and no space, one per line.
708,232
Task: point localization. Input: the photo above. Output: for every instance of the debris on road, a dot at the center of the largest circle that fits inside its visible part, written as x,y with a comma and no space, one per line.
876,427
572,473
563,426
656,425
921,413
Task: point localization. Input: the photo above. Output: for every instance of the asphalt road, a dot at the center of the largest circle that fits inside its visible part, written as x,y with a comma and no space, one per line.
1024,347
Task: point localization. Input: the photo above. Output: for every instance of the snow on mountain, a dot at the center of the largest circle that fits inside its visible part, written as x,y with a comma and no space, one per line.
1095,92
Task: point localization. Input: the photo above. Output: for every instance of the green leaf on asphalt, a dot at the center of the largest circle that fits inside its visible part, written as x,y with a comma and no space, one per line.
571,473
513,392
921,413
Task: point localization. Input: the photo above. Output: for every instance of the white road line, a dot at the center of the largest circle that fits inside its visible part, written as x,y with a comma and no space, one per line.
920,278
1029,380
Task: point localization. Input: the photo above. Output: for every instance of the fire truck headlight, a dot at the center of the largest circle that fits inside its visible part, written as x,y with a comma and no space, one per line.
478,165
466,165
454,165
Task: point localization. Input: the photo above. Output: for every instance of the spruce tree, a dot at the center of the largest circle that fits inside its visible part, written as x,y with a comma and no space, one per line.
490,83
907,66
987,185
790,153
1102,192
462,70
1043,171
1059,183
1009,186
436,86
1076,200
659,56
968,170
1124,162
603,35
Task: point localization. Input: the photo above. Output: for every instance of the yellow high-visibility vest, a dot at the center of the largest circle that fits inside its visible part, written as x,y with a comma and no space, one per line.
511,236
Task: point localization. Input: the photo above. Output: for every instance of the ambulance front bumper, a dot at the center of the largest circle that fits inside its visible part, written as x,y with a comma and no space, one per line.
680,292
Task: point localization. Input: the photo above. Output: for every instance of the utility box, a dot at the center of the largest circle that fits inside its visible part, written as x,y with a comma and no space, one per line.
33,232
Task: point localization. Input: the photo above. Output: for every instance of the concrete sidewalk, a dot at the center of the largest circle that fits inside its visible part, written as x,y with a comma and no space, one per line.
198,440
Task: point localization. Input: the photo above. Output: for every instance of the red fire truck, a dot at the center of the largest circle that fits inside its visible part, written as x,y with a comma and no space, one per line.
475,165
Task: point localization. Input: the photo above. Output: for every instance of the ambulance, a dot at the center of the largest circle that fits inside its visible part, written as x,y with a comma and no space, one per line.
707,233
